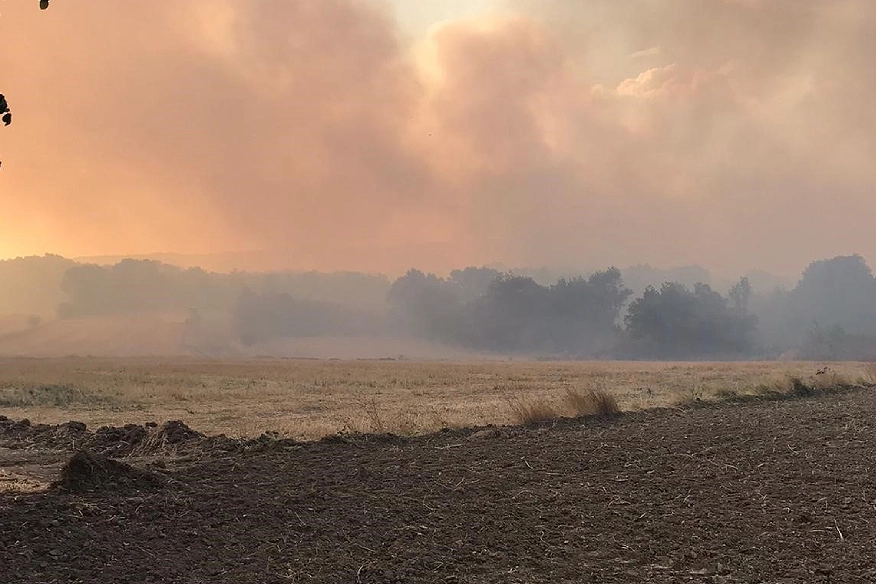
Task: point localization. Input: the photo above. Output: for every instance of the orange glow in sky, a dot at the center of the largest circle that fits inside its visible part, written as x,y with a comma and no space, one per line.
375,135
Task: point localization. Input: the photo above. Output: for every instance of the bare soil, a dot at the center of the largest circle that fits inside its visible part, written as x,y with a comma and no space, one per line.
756,491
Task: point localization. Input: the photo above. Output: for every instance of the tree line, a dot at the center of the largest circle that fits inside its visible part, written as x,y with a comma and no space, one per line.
829,314
578,317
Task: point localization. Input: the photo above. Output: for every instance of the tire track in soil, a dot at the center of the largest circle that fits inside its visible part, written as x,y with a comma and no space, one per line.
771,492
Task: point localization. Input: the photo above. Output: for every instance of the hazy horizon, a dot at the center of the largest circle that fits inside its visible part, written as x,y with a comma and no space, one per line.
266,262
372,135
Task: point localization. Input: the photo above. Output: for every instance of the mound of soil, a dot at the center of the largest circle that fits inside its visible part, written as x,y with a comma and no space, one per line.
173,433
127,440
87,472
21,434
120,441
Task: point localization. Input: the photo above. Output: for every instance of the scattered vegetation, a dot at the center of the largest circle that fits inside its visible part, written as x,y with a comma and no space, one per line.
48,395
824,381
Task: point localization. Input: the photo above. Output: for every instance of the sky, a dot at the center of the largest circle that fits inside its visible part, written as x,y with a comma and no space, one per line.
382,134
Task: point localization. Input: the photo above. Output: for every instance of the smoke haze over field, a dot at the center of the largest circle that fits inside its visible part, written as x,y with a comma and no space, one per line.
729,133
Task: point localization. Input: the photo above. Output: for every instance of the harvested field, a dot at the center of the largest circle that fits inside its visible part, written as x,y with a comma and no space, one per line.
767,491
307,399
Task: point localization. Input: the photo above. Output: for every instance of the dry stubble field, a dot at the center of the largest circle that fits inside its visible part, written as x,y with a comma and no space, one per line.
308,399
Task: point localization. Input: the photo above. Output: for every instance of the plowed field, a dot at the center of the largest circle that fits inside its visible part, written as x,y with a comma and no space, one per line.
759,491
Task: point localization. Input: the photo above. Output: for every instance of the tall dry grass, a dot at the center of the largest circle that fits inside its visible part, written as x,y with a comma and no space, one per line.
308,399
592,402
528,411
574,403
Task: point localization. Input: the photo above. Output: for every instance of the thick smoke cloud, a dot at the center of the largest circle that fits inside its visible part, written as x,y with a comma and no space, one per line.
735,133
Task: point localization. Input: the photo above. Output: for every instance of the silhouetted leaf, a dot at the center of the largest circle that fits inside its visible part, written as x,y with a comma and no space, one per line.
7,118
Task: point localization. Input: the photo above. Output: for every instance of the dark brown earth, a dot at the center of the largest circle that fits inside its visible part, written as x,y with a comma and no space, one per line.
768,491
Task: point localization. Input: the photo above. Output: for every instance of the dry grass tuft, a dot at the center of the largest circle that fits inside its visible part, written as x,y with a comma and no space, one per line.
534,410
371,411
593,402
867,376
531,411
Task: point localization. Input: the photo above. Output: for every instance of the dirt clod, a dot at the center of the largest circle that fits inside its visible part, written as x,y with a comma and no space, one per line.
73,426
175,432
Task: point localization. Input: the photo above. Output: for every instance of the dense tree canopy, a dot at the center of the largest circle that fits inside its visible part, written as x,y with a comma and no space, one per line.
677,322
484,309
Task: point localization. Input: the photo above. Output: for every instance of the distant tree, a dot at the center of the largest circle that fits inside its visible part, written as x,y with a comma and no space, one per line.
423,304
740,295
511,316
472,282
835,344
585,312
575,317
143,285
641,276
31,285
837,292
483,309
676,322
